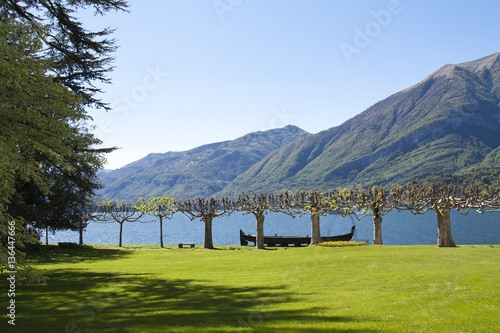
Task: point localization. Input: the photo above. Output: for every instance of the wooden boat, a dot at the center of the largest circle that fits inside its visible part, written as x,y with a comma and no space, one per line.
292,240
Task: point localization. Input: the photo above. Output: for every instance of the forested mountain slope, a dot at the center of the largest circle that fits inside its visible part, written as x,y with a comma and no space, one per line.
448,123
202,171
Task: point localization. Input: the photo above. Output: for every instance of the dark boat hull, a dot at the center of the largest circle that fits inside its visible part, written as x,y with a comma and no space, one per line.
292,240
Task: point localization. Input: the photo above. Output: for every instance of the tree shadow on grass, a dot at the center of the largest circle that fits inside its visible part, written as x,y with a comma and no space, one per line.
76,301
54,255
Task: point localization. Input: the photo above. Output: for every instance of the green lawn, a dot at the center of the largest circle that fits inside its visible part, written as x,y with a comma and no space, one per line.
240,289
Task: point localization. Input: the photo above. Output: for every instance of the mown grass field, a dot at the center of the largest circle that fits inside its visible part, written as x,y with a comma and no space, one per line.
240,289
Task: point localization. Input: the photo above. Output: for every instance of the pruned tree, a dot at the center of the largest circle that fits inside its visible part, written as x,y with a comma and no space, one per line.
379,205
258,205
315,203
88,211
420,199
361,203
160,207
120,212
206,210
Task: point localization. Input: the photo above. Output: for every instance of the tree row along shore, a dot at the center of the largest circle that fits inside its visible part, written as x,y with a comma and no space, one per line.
374,201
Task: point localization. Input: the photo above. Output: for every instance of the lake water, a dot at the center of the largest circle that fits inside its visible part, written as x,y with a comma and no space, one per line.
398,228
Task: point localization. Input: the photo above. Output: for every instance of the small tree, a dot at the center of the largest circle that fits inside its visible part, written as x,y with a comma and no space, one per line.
420,199
379,206
160,207
88,211
206,210
441,200
372,203
315,203
121,212
258,205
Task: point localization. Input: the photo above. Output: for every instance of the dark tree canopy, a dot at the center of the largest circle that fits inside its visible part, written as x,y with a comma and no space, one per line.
81,57
48,159
51,163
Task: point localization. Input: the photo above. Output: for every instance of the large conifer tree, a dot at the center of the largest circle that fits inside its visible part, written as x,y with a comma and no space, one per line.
81,57
48,159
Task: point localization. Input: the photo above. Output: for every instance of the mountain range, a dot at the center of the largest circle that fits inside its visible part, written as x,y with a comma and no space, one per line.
449,123
202,171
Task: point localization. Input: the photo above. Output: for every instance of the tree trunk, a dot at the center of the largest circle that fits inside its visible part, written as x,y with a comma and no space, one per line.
377,229
47,235
315,230
208,233
444,229
161,232
259,241
81,232
121,233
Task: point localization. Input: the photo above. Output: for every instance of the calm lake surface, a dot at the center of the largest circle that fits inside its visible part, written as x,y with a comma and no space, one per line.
398,228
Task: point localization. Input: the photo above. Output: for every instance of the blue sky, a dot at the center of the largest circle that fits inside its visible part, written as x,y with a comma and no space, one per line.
191,72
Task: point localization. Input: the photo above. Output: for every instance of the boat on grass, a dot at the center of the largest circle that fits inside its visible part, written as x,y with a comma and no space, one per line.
292,240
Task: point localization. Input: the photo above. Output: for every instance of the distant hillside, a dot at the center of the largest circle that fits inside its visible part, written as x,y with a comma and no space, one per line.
444,127
202,171
448,123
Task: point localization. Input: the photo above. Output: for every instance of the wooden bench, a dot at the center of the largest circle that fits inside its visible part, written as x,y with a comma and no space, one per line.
181,245
67,244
